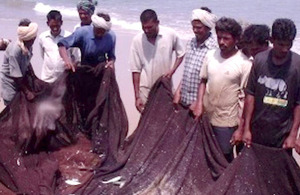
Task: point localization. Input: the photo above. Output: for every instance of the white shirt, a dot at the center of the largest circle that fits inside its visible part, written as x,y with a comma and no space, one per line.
53,64
153,61
226,80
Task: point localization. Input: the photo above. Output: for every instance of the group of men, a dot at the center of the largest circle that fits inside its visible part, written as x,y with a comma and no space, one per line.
250,92
91,44
221,75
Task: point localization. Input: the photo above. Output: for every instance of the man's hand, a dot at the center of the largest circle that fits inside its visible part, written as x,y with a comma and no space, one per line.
169,74
139,104
4,43
197,109
64,55
110,64
237,137
97,69
247,137
176,100
297,145
289,142
176,97
70,66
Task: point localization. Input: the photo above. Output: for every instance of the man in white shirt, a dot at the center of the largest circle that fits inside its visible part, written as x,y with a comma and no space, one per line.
151,56
224,74
53,64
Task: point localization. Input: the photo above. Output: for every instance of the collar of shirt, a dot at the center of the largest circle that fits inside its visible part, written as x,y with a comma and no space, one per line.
209,42
93,34
61,34
160,33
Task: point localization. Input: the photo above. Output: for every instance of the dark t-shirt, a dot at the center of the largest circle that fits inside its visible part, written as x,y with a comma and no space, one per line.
276,89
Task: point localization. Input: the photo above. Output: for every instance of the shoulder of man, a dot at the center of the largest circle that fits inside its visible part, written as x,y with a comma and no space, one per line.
261,57
138,37
13,49
44,34
213,53
112,33
84,29
212,42
296,57
263,54
76,27
65,33
167,30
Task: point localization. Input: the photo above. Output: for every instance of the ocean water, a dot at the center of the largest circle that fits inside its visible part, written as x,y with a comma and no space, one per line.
172,13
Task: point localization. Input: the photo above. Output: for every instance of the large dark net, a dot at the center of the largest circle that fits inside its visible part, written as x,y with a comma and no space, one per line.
69,137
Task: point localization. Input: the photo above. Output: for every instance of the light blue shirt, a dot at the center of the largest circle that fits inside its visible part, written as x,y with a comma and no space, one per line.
93,49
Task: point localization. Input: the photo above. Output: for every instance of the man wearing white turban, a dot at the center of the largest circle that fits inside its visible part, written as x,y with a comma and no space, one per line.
17,59
96,44
202,21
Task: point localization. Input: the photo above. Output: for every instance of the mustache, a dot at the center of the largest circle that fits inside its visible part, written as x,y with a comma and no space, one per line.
222,45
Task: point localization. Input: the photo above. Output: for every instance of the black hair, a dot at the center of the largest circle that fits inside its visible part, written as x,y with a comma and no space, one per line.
54,15
24,22
105,16
284,29
229,25
206,9
148,15
258,33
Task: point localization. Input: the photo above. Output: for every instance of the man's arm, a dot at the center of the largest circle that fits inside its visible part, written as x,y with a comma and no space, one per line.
177,97
73,40
289,142
64,55
178,47
197,107
237,136
139,104
175,66
110,56
248,112
41,46
110,64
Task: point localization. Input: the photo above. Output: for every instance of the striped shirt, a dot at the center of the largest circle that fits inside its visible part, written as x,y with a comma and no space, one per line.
193,62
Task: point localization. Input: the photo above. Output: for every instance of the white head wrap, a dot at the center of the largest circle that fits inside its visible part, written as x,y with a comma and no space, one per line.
100,22
208,19
26,33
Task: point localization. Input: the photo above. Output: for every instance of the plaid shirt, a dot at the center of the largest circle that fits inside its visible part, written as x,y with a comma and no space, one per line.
193,62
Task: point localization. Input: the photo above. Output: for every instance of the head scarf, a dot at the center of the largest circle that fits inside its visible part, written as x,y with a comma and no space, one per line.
99,22
87,6
208,19
26,33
